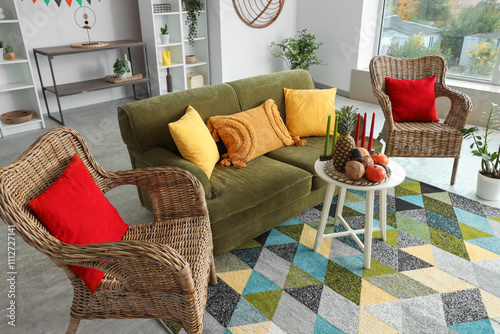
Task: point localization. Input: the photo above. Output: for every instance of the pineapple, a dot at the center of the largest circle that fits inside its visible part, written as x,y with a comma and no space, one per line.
345,143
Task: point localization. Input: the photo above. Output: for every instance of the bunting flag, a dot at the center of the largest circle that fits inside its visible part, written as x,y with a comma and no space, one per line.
58,2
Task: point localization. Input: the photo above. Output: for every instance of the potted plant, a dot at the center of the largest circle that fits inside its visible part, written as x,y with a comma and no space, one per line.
121,68
298,51
9,53
1,50
164,35
193,8
488,178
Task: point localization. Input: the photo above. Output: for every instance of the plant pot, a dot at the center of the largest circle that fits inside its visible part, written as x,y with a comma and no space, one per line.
121,76
10,56
487,188
164,39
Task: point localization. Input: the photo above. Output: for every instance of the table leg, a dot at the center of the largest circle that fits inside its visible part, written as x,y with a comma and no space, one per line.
324,215
368,228
340,205
383,212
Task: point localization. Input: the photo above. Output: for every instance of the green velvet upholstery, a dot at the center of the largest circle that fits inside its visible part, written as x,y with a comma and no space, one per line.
144,124
242,203
254,91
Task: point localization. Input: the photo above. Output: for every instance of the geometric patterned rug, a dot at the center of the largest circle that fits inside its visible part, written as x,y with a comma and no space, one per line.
437,272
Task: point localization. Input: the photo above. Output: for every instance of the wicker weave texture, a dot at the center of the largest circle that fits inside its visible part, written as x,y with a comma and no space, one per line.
420,139
158,270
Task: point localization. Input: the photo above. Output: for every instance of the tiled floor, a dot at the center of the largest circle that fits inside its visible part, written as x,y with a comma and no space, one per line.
43,293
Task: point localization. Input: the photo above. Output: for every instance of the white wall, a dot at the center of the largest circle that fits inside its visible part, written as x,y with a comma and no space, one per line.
45,26
348,30
244,51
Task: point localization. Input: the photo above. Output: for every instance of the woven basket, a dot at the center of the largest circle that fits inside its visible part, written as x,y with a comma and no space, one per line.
17,116
115,79
339,176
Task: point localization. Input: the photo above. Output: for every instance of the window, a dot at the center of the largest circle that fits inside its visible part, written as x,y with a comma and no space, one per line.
465,32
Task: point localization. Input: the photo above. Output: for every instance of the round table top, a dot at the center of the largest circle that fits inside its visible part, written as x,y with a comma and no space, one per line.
397,176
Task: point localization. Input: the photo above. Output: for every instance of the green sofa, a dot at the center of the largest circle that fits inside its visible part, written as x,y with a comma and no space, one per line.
243,203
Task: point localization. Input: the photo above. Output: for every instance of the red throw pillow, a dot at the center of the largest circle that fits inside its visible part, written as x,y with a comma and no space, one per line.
75,211
412,100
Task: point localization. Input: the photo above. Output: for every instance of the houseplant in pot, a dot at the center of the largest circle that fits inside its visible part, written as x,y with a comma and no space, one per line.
121,68
488,178
164,35
9,53
298,51
193,9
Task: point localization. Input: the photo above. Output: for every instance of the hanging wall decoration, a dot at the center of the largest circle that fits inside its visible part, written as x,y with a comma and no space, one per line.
258,13
85,18
58,2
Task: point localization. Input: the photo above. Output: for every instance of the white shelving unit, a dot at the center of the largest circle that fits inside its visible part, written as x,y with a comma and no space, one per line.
17,90
179,46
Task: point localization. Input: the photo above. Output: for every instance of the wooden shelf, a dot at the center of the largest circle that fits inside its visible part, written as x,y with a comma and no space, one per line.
73,88
89,86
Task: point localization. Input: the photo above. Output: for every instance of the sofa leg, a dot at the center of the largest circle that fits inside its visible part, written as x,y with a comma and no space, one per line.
213,275
73,325
454,171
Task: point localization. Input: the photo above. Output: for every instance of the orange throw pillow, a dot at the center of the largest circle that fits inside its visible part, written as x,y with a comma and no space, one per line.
251,133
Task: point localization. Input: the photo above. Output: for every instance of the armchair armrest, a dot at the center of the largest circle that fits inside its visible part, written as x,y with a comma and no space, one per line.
175,193
461,106
138,265
385,104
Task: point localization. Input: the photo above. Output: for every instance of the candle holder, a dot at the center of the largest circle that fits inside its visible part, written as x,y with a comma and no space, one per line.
327,157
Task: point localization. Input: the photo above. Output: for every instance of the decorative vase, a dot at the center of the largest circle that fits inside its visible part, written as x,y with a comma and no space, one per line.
191,59
129,74
166,60
170,87
164,39
10,56
487,188
1,54
2,15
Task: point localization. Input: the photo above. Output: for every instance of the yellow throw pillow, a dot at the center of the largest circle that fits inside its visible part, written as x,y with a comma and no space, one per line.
251,133
307,111
194,141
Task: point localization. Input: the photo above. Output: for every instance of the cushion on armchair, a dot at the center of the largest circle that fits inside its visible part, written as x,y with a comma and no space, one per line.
412,100
251,133
75,211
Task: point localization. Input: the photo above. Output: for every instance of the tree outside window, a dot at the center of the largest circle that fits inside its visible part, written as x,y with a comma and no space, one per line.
465,32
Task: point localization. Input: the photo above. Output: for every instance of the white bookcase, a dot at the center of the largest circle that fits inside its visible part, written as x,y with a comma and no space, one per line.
17,90
178,46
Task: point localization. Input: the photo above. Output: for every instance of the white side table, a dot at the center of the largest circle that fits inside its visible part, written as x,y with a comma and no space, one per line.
397,176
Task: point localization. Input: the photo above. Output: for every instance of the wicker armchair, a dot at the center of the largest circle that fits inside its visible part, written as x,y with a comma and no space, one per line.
420,139
158,270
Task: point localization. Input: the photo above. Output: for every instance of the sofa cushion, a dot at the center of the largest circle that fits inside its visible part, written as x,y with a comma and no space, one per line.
307,111
251,133
254,91
263,179
194,141
302,157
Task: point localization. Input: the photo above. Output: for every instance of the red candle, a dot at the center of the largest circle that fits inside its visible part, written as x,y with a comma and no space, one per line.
364,132
370,142
356,138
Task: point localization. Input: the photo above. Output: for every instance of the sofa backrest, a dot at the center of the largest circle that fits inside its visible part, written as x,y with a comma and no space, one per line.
254,91
144,124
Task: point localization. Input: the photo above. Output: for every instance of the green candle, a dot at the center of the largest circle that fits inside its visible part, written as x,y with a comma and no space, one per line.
335,129
327,135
